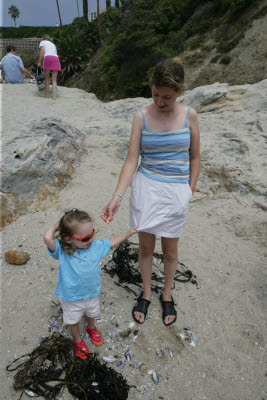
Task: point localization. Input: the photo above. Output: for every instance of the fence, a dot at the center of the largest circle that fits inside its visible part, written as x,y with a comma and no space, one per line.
20,44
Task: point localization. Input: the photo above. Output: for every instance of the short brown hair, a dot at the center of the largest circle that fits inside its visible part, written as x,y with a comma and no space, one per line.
47,37
66,228
169,73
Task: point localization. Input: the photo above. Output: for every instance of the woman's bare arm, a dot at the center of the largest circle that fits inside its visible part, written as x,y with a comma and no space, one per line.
128,169
194,153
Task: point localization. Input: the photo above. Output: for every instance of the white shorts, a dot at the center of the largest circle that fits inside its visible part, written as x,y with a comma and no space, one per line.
73,311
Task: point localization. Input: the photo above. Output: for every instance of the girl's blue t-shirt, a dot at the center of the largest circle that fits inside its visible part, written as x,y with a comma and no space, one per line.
79,273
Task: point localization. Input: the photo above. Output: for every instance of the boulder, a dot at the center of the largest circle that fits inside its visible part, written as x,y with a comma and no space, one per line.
43,156
204,95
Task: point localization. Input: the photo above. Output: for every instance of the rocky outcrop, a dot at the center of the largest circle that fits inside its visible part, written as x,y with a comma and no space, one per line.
238,58
35,160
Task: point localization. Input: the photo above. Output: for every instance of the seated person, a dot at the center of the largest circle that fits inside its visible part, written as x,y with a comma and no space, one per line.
13,67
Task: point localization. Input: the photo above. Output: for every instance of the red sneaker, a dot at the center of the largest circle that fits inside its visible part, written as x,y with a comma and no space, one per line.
81,349
95,336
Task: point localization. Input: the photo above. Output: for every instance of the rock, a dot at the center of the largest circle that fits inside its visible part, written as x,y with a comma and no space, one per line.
16,257
204,95
35,160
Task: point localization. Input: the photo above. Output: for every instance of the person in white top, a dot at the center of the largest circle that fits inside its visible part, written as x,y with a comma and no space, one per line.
48,53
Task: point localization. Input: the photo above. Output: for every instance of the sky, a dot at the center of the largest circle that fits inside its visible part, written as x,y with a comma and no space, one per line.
44,12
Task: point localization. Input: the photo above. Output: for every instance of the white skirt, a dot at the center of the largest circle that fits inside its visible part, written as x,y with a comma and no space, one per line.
159,207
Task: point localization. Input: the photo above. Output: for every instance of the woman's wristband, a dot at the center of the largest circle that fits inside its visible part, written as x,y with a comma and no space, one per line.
117,194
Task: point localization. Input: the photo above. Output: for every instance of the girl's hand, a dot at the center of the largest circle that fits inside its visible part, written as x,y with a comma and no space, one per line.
132,231
39,64
111,208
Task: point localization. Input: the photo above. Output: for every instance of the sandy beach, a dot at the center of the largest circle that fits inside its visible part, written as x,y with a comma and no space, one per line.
222,244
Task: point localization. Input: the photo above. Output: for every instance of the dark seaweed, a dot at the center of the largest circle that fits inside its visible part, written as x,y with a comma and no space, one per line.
54,361
123,265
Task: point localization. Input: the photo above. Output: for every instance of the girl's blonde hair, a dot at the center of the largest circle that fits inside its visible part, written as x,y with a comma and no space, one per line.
169,73
66,227
47,37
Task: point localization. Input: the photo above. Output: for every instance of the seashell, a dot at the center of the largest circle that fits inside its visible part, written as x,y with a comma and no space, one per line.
155,378
191,342
128,356
182,335
150,371
121,364
30,393
169,351
159,353
108,359
192,335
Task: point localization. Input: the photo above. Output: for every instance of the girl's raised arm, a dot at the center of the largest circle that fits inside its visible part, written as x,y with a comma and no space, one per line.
49,237
128,169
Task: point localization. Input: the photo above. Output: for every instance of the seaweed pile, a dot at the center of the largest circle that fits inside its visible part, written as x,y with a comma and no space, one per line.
52,366
124,265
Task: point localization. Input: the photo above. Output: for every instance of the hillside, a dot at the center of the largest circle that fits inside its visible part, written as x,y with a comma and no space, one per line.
213,47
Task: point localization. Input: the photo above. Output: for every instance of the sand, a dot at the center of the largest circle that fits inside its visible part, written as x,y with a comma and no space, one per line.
223,245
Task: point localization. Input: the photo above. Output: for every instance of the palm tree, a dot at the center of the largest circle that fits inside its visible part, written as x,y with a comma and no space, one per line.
59,14
78,8
117,3
14,13
98,21
108,4
85,9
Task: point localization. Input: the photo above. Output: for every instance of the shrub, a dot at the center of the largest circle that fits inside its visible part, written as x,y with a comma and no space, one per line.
195,43
29,57
72,53
226,59
27,31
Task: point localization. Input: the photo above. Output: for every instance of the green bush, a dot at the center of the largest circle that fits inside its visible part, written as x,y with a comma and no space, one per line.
72,53
27,31
29,57
176,40
225,59
195,43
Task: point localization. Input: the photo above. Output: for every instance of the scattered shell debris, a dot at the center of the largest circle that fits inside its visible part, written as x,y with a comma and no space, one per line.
187,336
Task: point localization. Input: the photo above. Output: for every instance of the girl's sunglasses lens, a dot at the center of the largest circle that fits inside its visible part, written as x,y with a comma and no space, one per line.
85,239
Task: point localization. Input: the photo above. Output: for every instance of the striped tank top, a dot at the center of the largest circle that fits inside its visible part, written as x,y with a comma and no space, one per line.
165,155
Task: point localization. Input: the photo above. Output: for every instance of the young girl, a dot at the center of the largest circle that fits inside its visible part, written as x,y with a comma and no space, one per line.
79,272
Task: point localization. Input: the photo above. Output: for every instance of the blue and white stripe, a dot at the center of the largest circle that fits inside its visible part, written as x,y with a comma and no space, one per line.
165,155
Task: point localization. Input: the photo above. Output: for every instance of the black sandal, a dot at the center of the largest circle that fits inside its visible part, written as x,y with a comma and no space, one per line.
168,309
142,307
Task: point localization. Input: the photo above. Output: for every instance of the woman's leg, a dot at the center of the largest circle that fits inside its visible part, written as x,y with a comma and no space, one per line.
54,83
170,254
146,249
47,78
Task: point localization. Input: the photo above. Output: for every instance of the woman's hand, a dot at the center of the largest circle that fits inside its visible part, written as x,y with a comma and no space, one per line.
39,64
111,208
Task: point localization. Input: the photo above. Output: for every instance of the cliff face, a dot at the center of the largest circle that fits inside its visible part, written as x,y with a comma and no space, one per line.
240,57
232,51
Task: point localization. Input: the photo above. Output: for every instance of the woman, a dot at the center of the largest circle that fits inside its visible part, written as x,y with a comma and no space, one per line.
166,135
51,63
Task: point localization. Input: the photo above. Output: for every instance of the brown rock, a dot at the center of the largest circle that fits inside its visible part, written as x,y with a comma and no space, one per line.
16,257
